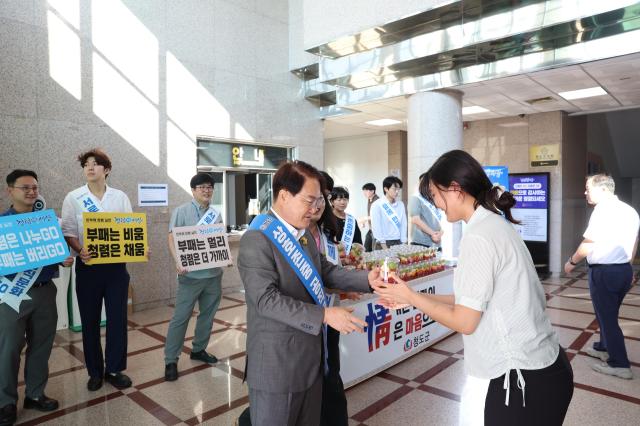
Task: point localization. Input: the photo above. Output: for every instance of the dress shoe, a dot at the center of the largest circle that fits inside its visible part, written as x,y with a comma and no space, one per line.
604,368
44,403
204,357
8,415
94,383
602,355
171,372
118,380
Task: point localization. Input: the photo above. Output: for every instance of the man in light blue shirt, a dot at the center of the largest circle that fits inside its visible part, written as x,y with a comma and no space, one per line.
203,286
388,216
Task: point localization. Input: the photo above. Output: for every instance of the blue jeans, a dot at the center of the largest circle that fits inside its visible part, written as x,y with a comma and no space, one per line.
608,285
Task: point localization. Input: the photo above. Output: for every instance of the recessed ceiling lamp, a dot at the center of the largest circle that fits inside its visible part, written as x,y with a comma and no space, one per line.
583,93
383,122
473,110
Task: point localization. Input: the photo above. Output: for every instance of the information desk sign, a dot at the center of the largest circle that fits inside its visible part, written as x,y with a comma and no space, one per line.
29,241
202,246
115,237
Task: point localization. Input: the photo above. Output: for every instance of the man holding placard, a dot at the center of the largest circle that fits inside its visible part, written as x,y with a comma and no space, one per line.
31,316
95,283
197,241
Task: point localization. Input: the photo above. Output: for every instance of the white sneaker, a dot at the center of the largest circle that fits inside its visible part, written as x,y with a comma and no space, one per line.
604,368
602,355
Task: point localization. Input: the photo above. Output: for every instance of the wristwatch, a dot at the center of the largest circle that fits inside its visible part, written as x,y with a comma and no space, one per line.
571,261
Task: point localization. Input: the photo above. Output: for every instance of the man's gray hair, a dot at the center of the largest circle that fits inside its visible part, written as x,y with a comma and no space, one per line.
602,181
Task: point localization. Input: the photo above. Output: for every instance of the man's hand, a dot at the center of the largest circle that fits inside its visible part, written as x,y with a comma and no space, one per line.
568,268
436,237
340,319
181,270
84,255
67,262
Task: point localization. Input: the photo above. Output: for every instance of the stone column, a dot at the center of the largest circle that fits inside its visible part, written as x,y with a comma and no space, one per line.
434,127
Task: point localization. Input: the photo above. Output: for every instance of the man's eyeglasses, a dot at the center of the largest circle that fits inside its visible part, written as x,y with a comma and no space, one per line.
313,203
27,188
204,188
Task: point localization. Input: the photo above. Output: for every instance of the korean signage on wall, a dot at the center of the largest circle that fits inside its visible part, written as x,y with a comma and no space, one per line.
544,155
241,155
390,333
201,247
531,192
115,237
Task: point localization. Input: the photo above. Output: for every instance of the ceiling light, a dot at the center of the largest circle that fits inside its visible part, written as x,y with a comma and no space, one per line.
383,122
514,124
583,93
473,110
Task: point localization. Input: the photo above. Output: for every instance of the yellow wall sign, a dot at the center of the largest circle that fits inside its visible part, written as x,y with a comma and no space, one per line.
544,155
115,237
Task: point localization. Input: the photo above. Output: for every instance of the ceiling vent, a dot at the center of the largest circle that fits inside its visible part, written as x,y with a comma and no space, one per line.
540,100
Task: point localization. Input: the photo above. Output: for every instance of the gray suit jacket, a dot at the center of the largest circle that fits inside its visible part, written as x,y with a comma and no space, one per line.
284,342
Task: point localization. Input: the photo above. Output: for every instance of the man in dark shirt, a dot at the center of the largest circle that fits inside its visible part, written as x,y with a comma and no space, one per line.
369,191
35,323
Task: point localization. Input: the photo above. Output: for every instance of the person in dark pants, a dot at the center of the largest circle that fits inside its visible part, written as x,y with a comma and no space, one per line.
102,282
609,245
369,191
34,324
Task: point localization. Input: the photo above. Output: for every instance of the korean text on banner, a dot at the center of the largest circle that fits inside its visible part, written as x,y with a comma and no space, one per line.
202,247
115,237
30,240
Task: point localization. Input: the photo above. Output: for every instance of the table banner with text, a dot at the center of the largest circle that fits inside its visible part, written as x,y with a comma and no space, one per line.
202,247
115,237
391,334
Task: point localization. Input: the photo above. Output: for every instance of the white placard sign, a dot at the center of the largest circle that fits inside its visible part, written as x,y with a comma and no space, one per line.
202,247
153,194
390,335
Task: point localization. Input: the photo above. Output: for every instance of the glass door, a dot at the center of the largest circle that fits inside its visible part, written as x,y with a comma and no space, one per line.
264,192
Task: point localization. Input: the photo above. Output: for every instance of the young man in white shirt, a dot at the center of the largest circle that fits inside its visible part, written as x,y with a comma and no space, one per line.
609,245
97,283
388,216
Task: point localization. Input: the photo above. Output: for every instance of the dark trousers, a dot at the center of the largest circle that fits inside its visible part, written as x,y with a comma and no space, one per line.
34,325
548,392
608,285
368,241
389,243
334,400
95,284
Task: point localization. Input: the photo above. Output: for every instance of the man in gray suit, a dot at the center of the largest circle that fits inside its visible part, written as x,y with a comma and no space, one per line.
285,325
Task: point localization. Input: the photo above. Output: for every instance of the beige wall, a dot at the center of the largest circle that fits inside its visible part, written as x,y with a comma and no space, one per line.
142,79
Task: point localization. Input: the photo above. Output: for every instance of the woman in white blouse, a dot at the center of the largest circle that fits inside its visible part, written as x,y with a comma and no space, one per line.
498,305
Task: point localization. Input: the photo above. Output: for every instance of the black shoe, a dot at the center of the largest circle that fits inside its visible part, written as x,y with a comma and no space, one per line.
94,383
44,403
171,372
8,415
118,380
204,357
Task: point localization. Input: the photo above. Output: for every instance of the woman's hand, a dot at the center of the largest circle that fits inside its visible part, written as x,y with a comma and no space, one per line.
393,295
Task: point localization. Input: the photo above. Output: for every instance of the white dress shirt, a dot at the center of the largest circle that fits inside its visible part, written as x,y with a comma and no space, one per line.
382,227
613,228
113,200
495,275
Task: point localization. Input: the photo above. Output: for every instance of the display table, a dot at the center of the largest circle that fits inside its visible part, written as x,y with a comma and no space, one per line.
391,335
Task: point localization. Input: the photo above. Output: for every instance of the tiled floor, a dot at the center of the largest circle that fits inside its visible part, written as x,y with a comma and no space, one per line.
424,389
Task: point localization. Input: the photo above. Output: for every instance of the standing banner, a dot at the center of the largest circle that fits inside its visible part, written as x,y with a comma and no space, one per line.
531,192
115,237
28,242
202,246
498,175
391,335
